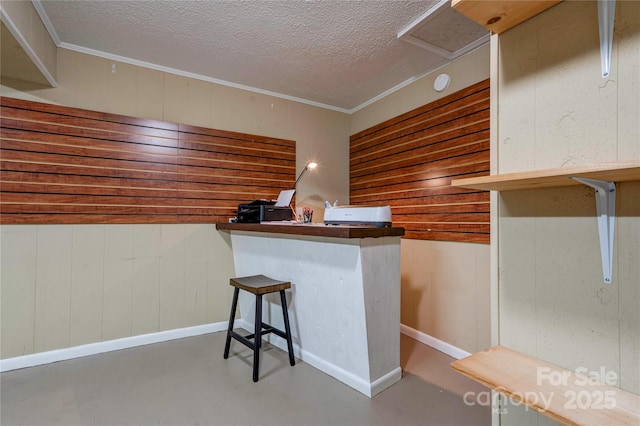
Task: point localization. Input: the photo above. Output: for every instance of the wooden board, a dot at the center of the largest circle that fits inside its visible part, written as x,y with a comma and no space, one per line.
555,392
614,172
408,162
499,16
67,165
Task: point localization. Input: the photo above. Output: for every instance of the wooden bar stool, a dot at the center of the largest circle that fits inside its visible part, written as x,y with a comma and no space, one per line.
259,285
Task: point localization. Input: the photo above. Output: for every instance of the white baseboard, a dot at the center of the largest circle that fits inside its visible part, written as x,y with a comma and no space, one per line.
369,389
385,381
436,344
110,345
363,386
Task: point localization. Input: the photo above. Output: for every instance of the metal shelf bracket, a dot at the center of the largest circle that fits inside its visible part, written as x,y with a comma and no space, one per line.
606,17
606,210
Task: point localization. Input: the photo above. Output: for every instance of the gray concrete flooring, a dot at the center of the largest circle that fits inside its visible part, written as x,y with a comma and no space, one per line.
187,382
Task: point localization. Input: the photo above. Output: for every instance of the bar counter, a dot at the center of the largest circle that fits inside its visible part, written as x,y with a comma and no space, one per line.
344,302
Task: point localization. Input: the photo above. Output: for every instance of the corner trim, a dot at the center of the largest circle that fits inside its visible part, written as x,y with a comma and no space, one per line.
37,4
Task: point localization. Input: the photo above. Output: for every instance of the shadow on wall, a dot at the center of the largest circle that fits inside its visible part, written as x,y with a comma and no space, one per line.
569,201
410,301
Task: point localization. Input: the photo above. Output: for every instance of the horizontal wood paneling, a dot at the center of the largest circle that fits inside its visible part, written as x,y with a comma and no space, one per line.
67,165
408,163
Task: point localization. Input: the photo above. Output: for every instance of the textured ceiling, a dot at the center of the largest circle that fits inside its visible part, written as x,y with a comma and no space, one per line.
339,54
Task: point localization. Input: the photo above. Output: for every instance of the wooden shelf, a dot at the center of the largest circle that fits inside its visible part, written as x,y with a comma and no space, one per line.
555,392
500,15
614,172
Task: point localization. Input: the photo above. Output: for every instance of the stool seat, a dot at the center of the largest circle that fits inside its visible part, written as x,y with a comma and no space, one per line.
259,285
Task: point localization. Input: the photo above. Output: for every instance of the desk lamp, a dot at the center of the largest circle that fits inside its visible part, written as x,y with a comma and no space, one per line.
307,212
310,166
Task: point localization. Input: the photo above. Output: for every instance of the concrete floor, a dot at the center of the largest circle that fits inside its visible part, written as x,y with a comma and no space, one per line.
187,382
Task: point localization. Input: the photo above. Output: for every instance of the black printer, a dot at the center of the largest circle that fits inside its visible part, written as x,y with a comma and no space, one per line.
262,211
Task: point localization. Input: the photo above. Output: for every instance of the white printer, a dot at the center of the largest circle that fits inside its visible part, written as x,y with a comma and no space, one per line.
358,215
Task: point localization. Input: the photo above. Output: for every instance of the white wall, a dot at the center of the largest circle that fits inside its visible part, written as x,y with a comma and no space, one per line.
69,285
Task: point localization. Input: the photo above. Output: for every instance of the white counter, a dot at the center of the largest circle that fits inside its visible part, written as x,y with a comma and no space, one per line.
344,304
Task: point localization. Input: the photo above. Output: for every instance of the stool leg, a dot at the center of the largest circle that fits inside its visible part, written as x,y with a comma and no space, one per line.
257,338
232,318
287,328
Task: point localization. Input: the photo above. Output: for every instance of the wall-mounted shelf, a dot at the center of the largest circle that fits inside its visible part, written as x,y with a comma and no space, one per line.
500,15
599,176
614,172
555,392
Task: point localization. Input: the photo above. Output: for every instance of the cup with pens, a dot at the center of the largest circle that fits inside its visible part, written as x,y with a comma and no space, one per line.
307,214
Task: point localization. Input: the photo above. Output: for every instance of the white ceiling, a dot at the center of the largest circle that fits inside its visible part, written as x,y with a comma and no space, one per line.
334,53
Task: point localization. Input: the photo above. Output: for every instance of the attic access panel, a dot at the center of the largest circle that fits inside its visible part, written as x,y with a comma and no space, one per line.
445,31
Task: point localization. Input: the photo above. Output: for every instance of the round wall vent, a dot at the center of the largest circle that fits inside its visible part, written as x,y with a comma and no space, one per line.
441,82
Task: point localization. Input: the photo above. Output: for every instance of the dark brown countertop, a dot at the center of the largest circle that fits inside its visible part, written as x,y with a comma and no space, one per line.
314,229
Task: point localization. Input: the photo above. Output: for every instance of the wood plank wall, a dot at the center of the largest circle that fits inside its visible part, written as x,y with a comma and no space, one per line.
68,165
408,162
